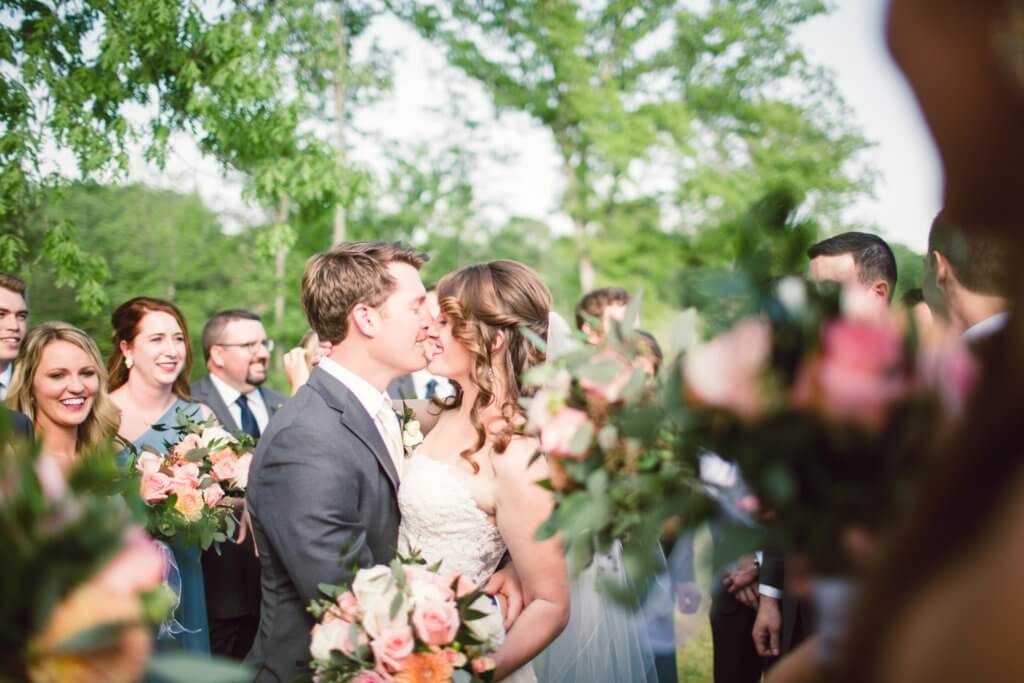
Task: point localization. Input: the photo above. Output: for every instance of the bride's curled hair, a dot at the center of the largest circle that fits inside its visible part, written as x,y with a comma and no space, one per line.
486,304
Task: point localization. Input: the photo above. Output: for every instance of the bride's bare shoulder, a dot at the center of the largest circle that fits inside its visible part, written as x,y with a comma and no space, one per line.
520,459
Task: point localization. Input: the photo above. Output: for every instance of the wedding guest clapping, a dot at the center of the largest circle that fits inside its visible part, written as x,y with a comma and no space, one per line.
301,360
60,383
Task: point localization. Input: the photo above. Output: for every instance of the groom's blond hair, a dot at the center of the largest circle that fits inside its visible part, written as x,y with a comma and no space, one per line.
350,273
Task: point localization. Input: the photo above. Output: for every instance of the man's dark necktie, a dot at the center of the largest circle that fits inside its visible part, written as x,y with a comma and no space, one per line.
431,388
249,424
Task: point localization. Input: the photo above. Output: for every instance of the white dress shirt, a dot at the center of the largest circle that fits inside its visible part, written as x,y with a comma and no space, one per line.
443,389
377,404
5,380
254,397
986,328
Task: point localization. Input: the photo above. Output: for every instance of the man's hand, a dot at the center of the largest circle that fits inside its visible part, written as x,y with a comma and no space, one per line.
504,585
744,574
748,596
767,627
243,529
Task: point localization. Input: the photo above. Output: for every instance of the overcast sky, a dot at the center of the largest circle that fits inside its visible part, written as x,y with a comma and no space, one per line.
525,180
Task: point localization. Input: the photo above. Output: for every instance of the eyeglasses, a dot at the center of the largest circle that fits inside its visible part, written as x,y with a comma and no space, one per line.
251,347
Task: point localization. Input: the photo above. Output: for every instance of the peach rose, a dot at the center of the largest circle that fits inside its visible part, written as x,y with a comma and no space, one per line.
556,438
139,566
394,645
225,469
217,456
186,475
348,606
212,495
455,658
370,677
186,446
190,503
155,487
436,623
726,372
242,471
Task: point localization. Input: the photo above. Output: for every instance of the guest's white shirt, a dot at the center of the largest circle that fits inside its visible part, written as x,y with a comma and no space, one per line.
5,380
254,397
987,327
374,402
421,378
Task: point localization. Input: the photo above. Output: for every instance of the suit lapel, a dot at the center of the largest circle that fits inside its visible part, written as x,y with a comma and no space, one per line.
209,394
271,404
355,419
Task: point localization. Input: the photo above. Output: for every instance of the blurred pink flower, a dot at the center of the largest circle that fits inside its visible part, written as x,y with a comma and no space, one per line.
482,665
225,469
395,643
727,372
610,391
348,606
186,475
185,446
950,370
556,437
139,566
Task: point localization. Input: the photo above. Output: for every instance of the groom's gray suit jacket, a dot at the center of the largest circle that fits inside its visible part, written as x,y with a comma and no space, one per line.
323,498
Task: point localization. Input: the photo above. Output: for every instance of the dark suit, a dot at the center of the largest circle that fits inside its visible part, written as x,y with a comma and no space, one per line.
20,425
403,388
323,498
797,615
732,623
232,578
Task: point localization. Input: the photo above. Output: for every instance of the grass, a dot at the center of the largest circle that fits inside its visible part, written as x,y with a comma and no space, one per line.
693,631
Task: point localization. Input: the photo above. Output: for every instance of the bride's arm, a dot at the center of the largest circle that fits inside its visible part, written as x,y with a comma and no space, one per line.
424,412
521,507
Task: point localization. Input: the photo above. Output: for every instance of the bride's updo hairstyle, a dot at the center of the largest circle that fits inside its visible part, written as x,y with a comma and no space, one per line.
482,303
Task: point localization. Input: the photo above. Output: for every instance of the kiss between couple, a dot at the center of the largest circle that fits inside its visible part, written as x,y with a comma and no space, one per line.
331,487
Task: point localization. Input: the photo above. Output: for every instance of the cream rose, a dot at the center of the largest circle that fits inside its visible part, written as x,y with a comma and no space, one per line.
215,436
149,462
242,471
489,628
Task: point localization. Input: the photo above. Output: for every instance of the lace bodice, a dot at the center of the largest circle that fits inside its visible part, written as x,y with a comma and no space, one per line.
441,520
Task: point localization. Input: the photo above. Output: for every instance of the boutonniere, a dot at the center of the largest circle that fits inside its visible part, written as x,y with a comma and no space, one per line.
412,436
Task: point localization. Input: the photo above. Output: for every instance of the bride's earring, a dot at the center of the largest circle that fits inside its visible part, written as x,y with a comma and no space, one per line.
129,362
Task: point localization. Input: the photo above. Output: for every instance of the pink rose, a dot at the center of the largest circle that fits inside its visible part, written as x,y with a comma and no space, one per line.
394,645
139,566
482,665
464,587
225,468
556,438
186,446
611,390
242,471
190,502
186,475
726,372
155,487
436,623
348,606
212,495
370,677
456,659
858,375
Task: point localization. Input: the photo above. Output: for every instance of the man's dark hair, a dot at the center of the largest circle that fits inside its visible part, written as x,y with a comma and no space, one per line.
214,327
978,259
912,297
593,303
872,256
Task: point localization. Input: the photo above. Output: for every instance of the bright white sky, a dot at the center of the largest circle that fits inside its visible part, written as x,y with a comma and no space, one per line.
519,172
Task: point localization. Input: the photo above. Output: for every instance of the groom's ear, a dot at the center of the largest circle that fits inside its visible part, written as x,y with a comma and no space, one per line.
365,319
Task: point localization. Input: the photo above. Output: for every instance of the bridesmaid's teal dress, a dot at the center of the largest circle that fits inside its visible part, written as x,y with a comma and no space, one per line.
191,612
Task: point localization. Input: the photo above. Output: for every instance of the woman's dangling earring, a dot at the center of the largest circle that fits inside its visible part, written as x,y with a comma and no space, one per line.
129,362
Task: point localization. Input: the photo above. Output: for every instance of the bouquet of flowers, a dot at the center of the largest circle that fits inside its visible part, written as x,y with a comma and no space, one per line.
188,488
405,623
82,585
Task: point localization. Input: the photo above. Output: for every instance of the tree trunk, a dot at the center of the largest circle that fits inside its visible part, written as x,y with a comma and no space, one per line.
280,262
340,93
588,277
574,206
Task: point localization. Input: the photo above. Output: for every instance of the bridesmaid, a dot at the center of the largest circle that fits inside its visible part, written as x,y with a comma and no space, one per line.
60,383
149,369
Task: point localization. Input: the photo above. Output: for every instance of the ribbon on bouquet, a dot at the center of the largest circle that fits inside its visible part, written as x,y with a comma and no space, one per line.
172,579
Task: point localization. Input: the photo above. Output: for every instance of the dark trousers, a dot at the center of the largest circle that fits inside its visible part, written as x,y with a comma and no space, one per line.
233,638
735,659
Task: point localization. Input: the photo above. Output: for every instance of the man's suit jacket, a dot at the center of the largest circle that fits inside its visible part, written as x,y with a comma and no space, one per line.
403,387
232,578
798,620
323,498
20,425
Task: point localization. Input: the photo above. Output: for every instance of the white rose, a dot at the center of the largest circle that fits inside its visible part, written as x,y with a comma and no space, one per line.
325,638
490,628
377,612
371,583
411,435
149,462
215,435
424,592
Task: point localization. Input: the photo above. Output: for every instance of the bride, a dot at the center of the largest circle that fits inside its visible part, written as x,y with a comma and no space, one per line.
469,490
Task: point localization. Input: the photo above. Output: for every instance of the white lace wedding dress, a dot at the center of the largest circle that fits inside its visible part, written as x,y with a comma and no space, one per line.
442,522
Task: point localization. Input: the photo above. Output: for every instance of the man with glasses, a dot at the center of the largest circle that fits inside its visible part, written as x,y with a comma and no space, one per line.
237,354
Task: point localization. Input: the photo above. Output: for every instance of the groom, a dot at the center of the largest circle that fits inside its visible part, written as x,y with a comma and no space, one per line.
324,480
